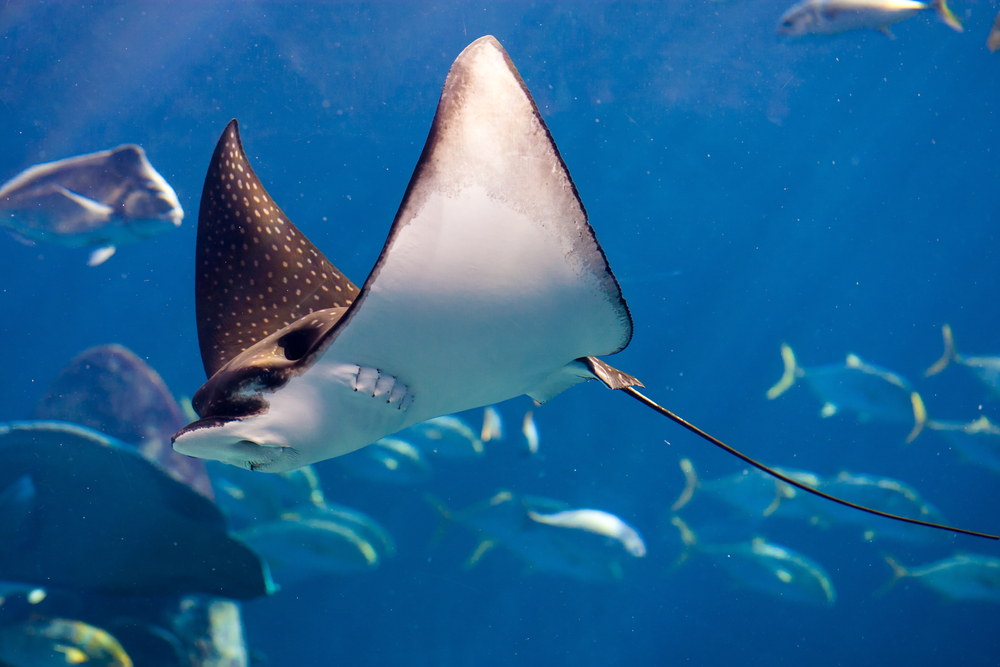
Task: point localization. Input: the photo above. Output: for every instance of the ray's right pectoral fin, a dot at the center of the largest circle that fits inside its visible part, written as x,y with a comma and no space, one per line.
581,370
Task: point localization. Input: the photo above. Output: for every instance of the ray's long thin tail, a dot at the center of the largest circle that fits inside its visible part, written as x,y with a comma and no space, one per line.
631,391
616,379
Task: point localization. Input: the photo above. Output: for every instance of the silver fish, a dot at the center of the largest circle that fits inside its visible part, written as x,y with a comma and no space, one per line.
871,392
887,495
829,17
492,425
961,577
752,491
766,567
549,536
98,200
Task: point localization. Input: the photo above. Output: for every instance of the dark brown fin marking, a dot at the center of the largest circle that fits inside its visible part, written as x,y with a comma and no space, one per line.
255,271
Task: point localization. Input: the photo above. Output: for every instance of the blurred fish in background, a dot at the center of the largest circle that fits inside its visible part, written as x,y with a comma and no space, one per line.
873,393
388,460
977,442
886,495
549,536
42,642
765,567
287,519
756,495
99,200
829,17
301,546
492,425
530,432
993,40
448,437
752,492
960,577
248,498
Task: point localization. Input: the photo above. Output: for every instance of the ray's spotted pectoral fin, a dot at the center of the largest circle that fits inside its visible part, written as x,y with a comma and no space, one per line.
256,272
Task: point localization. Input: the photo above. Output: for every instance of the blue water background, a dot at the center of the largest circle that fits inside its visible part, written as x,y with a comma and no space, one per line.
840,195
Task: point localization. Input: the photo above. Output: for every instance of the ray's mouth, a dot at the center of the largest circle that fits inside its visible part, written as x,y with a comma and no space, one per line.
206,422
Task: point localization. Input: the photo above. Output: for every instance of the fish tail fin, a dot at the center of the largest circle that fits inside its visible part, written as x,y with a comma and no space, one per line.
481,549
688,538
950,353
791,373
919,417
775,504
690,484
946,15
447,517
898,572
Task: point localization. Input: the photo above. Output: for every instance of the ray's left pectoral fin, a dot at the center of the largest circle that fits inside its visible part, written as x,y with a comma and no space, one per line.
581,370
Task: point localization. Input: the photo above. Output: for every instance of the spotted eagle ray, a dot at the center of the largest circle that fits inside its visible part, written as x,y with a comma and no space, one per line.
491,284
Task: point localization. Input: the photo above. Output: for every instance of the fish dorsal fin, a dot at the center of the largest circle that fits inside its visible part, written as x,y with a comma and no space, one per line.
256,272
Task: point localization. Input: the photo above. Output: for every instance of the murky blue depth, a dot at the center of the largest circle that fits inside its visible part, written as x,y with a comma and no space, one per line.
838,195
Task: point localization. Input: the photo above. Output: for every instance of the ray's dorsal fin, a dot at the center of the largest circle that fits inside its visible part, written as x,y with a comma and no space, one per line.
256,272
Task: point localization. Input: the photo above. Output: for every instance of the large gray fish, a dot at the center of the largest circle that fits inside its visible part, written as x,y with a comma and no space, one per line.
829,17
83,511
99,200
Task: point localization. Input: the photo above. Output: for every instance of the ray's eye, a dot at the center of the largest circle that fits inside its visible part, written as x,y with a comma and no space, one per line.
295,344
